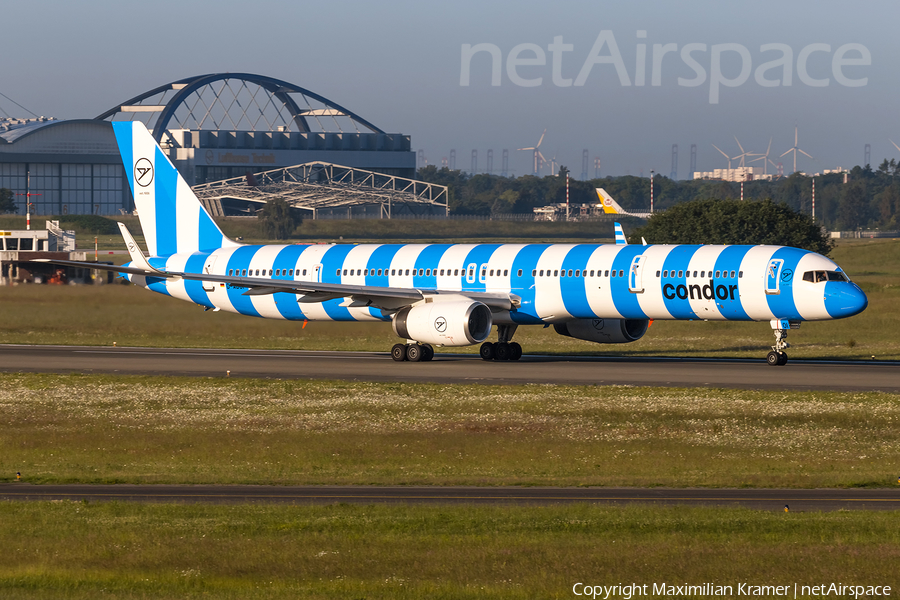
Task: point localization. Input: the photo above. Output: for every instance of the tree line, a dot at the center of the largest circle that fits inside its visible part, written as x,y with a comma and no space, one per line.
870,199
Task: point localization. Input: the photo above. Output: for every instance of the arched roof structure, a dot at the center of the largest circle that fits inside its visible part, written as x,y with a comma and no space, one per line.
238,101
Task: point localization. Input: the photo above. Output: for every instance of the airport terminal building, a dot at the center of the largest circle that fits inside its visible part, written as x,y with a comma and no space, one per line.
213,127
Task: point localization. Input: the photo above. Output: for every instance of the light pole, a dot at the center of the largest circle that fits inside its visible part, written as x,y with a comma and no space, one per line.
651,191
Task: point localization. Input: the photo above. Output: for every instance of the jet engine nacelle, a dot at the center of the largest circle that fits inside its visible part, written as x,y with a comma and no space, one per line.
604,331
449,323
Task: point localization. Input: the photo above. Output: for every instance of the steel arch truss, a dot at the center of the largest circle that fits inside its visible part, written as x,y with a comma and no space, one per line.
235,101
317,185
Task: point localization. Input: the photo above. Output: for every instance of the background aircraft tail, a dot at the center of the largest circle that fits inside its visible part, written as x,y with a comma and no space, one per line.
610,206
172,217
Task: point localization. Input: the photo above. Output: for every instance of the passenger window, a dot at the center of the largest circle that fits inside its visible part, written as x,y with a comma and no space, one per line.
407,272
304,272
702,273
606,273
492,273
570,272
428,272
562,273
534,272
338,272
614,273
680,274
740,274
229,272
577,273
657,274
456,272
291,272
442,272
556,272
732,274
379,272
542,272
621,273
718,273
505,272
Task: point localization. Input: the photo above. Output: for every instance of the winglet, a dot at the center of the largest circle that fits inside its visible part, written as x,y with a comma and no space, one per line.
137,257
620,236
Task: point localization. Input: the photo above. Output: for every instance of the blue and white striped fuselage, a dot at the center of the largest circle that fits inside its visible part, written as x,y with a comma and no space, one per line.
554,282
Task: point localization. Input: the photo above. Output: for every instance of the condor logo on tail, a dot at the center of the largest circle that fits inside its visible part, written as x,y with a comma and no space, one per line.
143,172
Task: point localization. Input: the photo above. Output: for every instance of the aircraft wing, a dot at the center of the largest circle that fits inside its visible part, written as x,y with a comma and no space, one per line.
388,298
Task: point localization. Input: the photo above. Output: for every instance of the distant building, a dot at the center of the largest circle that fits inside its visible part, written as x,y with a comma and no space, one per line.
736,175
18,247
212,127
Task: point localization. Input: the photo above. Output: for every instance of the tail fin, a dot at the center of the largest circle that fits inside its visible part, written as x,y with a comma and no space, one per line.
610,206
620,236
171,216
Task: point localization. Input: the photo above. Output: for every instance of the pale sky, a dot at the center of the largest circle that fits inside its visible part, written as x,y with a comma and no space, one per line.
401,64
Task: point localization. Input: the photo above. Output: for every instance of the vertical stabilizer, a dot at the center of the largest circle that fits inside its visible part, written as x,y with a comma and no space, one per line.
610,206
171,216
620,235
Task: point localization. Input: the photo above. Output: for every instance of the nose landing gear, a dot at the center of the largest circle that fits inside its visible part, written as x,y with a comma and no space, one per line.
777,357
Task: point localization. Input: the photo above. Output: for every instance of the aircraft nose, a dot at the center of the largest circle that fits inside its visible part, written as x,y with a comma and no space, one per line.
845,300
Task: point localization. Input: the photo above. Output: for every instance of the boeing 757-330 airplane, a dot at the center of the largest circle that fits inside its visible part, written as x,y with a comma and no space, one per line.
453,294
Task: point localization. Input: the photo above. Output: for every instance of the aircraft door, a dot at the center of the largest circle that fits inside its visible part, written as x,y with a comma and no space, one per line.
773,276
635,275
317,273
209,286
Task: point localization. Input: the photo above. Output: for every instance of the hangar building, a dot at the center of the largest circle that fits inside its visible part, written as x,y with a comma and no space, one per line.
213,127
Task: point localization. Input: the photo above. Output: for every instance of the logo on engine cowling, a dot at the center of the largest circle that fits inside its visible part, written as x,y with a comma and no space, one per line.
440,324
597,324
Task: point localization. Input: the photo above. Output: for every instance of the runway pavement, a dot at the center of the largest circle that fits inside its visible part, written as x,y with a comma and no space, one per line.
456,368
764,499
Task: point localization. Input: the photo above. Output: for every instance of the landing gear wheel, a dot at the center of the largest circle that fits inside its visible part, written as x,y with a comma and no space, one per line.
502,351
414,353
427,352
515,351
776,359
487,351
398,352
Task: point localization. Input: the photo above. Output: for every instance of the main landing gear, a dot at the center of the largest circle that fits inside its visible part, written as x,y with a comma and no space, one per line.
777,357
504,349
413,352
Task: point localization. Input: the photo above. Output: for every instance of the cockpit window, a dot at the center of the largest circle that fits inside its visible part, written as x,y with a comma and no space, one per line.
820,276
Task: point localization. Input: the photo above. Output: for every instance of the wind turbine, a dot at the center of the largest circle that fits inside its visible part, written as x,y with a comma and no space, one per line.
795,149
764,158
731,158
553,165
539,159
725,155
743,153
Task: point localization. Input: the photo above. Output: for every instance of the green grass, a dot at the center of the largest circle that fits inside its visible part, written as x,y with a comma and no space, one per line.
111,550
117,429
